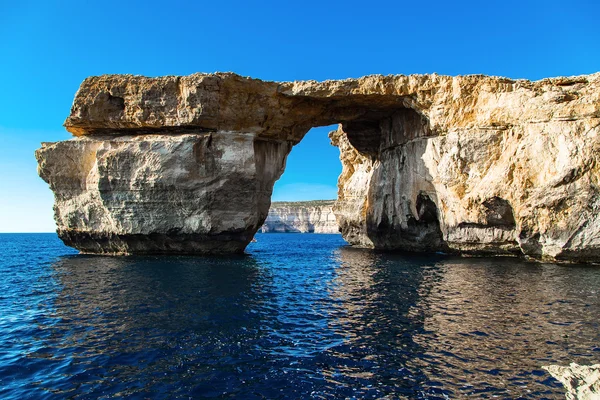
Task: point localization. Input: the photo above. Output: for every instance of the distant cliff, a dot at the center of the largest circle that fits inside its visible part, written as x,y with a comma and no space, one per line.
301,216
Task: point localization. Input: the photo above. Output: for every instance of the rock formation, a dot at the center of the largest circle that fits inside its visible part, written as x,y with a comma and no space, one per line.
302,217
582,382
466,164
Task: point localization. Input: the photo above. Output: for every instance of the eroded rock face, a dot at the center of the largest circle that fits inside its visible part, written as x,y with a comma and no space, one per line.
301,217
530,189
471,164
582,382
164,193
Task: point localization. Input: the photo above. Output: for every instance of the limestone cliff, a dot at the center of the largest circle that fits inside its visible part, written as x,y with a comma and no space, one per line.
302,217
168,193
466,164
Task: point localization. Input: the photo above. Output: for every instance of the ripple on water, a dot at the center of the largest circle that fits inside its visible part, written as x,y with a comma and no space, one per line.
299,316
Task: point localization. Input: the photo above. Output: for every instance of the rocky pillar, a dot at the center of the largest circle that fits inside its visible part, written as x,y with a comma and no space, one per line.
191,193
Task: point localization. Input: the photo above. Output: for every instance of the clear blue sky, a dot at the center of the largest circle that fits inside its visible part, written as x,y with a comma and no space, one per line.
48,47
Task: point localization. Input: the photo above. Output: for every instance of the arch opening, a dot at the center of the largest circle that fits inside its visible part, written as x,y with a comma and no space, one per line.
304,195
385,197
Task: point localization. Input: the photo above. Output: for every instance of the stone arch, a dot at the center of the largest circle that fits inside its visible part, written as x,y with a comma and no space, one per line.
187,164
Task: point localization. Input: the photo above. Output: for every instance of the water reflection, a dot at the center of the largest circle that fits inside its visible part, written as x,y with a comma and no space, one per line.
157,324
300,317
376,293
490,324
171,293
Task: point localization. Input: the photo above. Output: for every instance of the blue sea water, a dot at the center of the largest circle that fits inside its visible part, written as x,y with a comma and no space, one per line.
299,316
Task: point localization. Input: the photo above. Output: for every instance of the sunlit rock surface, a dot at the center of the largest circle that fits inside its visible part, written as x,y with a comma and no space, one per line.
467,164
301,217
184,193
582,382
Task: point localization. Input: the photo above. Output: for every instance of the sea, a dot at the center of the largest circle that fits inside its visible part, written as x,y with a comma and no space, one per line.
299,316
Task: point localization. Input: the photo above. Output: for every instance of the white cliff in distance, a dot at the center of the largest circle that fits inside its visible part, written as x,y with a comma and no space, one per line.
315,216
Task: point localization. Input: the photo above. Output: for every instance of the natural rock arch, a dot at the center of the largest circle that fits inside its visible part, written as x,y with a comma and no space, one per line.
473,164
